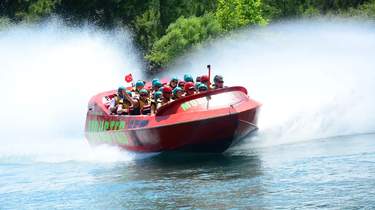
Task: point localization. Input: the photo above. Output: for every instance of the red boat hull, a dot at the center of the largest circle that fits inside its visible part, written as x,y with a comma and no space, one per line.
201,127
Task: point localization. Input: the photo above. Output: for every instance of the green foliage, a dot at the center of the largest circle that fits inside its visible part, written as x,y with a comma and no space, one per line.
182,35
4,22
233,14
366,10
147,28
39,9
164,29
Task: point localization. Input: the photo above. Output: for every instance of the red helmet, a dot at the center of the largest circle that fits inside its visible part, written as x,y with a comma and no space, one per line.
204,78
189,86
167,89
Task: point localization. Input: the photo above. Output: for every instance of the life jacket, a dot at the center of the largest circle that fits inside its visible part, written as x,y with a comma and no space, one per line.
124,102
155,104
144,106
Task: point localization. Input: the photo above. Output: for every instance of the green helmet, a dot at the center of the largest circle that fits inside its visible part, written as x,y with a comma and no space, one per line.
157,83
154,80
143,91
120,89
188,78
174,79
139,83
175,90
129,93
197,85
202,87
158,94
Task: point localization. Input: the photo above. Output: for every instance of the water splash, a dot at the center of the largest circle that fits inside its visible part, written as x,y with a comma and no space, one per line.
48,73
314,78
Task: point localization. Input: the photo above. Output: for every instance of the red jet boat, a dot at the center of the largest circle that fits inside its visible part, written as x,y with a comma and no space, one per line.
208,122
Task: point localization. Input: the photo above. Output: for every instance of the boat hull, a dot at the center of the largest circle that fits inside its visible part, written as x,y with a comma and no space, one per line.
211,131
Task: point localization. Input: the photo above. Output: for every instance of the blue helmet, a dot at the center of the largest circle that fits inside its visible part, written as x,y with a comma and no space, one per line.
158,94
154,80
129,92
121,88
176,89
139,83
202,87
174,79
197,85
157,83
188,78
143,92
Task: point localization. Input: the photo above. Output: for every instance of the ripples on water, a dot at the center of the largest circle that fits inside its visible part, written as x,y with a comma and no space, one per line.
329,173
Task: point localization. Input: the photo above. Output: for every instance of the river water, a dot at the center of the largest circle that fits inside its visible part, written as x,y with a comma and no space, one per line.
333,173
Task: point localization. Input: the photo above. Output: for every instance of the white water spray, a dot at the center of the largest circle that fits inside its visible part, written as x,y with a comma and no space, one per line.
315,79
47,75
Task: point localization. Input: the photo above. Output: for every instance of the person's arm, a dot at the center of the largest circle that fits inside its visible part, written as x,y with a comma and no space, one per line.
134,102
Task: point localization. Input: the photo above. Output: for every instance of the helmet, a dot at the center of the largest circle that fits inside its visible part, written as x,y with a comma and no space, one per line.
181,84
197,85
174,79
188,86
188,78
176,89
143,92
139,83
205,78
167,90
154,80
129,93
158,94
202,87
157,83
218,78
121,88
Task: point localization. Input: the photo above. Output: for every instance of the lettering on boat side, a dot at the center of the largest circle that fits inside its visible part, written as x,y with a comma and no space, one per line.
196,102
99,125
116,137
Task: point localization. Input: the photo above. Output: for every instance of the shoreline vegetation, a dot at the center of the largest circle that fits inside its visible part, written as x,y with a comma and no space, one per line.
165,29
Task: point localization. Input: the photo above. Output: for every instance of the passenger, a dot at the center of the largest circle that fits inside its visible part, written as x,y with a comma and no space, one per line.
156,85
141,105
181,84
205,80
156,102
202,87
139,85
189,88
218,82
119,103
197,85
167,95
177,93
188,78
173,83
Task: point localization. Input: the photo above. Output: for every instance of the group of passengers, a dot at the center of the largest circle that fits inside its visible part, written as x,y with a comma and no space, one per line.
142,101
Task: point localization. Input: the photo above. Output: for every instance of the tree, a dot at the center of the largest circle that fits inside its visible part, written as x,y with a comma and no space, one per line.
233,14
182,35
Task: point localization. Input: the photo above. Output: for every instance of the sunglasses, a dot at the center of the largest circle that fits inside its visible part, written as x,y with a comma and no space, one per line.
220,81
144,94
167,92
192,88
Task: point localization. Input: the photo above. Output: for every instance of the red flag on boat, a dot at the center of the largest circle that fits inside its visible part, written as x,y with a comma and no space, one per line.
128,78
